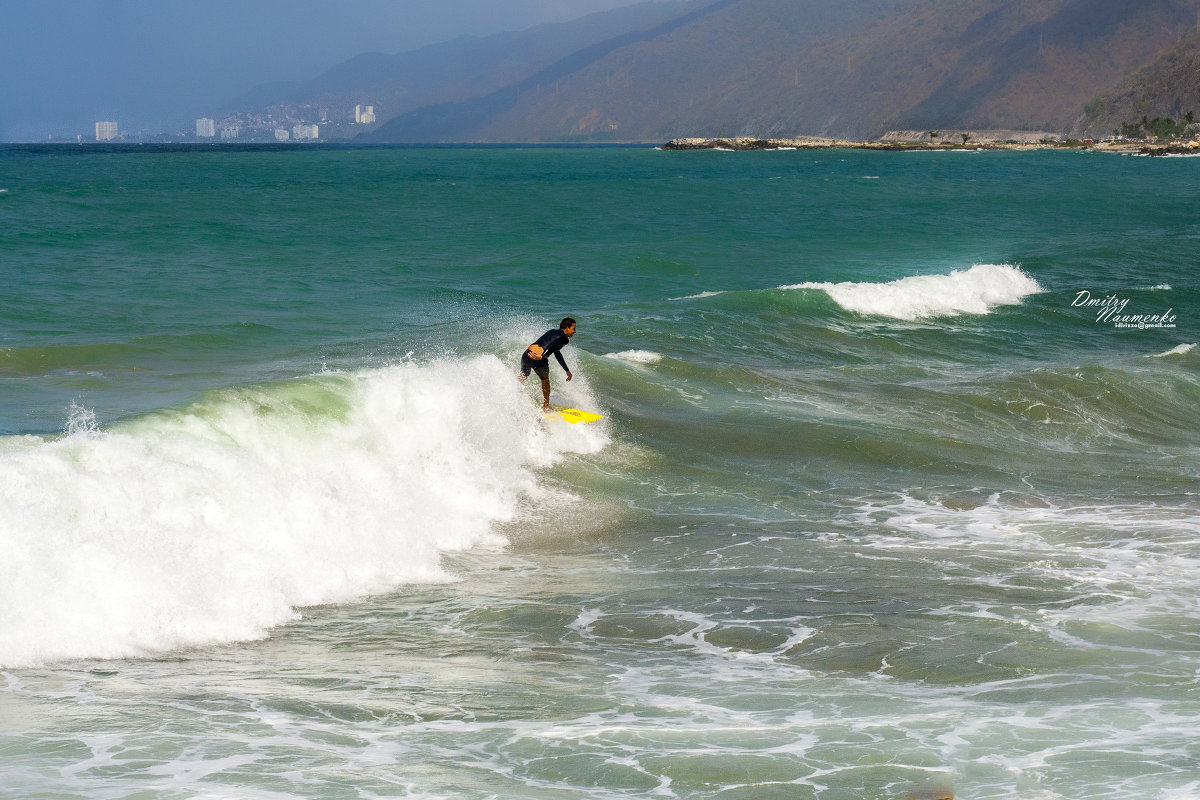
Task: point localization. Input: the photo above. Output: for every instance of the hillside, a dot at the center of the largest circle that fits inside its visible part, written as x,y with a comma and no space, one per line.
452,71
1170,87
850,69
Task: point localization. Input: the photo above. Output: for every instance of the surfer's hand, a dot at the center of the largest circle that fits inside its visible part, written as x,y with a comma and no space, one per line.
568,374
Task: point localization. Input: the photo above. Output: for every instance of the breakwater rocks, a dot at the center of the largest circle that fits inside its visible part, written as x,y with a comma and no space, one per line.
935,143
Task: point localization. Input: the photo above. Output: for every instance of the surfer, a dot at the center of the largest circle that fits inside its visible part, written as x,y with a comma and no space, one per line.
537,356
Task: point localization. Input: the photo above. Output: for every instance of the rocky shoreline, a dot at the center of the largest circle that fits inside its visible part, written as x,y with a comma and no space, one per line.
969,143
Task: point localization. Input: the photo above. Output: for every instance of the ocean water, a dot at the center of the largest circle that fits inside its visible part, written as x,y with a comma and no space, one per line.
894,496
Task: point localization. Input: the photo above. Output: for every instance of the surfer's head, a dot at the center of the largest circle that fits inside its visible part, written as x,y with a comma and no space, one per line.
567,326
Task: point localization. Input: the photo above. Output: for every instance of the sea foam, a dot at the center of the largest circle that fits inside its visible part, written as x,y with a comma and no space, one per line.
636,356
217,522
1135,562
973,291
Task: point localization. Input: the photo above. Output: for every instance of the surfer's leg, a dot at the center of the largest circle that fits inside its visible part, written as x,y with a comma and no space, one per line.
543,373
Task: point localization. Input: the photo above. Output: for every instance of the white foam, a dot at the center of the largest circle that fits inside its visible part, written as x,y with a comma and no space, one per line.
1135,562
636,356
1175,351
699,296
217,522
973,291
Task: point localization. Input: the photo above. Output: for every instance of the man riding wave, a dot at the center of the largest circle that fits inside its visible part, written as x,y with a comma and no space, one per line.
537,356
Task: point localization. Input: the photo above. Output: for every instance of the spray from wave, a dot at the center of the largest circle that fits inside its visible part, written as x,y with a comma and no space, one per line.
216,522
973,291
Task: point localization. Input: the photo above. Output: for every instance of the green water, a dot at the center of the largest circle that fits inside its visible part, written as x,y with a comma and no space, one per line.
878,506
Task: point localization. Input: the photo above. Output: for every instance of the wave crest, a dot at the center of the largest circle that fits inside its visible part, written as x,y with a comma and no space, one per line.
973,291
1179,350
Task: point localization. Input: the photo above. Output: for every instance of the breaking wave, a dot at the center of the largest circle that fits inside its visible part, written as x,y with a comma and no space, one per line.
973,291
216,522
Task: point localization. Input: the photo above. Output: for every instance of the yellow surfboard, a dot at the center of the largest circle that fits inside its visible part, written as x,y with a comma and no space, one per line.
572,415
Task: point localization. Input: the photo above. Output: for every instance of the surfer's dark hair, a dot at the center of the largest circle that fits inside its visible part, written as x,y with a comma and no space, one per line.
566,323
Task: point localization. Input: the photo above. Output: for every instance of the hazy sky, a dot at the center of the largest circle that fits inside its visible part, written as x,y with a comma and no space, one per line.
155,64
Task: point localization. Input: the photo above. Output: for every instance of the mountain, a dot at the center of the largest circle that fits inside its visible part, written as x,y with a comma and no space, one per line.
452,71
852,69
1169,87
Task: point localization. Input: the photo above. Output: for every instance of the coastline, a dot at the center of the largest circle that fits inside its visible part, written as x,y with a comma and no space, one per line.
817,143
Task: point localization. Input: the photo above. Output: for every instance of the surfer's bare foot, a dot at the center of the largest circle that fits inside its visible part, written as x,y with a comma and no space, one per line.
546,407
521,378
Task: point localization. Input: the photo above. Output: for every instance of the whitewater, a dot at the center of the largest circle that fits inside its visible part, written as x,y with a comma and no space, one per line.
220,521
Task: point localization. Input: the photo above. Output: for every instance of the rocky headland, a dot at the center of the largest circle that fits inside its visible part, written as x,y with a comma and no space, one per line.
943,140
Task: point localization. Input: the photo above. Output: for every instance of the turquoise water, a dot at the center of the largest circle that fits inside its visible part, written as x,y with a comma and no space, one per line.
879,506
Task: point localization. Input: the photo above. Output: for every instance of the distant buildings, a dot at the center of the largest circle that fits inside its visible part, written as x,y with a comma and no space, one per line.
302,131
364,115
282,122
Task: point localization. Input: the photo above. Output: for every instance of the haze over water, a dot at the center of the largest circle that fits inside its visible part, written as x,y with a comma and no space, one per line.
878,506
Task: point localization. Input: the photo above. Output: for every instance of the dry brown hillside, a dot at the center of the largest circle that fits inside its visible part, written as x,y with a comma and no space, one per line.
1170,87
850,69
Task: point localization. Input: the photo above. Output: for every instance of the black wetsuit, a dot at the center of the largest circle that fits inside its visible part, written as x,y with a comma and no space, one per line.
552,342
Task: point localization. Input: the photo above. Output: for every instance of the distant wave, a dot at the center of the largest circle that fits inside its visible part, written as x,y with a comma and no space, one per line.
1161,287
44,359
636,356
218,521
973,291
1175,351
700,296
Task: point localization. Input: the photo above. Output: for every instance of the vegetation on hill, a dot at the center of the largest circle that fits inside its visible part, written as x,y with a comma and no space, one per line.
1161,128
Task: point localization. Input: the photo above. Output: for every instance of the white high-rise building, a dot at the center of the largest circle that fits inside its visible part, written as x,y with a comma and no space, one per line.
302,131
364,115
282,135
231,131
206,127
106,131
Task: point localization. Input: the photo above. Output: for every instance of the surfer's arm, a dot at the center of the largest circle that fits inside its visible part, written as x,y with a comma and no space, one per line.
562,362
